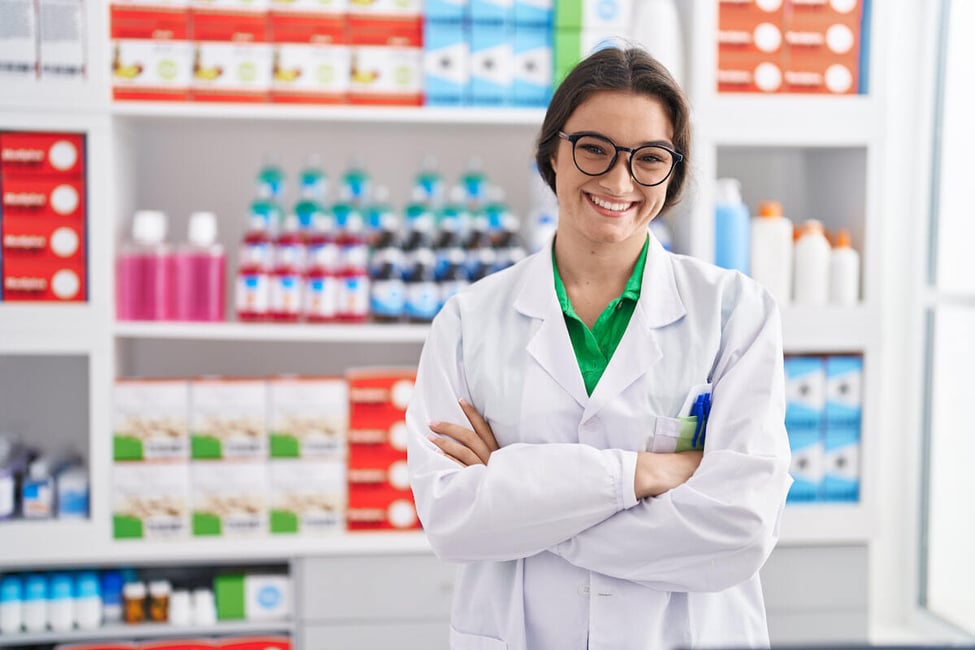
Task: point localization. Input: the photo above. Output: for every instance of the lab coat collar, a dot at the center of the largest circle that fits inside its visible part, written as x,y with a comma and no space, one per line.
660,304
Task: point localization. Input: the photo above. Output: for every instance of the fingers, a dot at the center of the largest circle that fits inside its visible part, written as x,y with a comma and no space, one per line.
461,443
480,425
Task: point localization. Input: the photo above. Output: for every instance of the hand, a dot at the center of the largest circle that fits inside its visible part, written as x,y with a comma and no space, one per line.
466,446
656,472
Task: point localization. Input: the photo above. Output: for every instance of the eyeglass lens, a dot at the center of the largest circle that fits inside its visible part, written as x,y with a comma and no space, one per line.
649,165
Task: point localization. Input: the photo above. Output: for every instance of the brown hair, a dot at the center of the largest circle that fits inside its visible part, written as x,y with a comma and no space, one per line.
615,69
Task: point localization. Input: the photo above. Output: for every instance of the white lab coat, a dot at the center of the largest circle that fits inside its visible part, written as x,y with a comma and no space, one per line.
556,549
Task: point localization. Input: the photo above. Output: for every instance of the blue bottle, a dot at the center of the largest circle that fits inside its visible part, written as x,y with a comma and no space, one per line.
732,234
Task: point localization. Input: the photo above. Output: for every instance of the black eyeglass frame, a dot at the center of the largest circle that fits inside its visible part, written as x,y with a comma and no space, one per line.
572,138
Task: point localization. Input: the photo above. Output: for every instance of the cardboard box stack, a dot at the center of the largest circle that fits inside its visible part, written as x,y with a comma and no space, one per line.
792,46
43,217
379,491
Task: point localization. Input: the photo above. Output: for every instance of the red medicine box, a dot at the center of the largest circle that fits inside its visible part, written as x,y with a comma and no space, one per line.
42,154
42,198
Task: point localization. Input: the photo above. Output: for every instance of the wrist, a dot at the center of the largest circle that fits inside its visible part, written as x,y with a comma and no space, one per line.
645,481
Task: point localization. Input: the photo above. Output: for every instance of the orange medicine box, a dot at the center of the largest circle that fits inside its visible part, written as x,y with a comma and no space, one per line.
749,72
42,154
231,56
151,51
24,237
310,62
40,198
30,280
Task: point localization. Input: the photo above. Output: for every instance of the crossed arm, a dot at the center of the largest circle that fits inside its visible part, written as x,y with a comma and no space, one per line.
656,473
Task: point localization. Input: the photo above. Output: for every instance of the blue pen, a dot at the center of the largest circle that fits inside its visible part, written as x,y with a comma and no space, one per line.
697,411
706,410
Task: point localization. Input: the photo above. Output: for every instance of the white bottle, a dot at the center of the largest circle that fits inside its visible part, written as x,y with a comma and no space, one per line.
72,489
204,609
811,270
656,25
35,603
180,612
87,600
60,604
771,251
11,604
844,271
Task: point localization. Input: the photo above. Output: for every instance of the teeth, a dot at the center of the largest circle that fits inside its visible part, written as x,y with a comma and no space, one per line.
618,207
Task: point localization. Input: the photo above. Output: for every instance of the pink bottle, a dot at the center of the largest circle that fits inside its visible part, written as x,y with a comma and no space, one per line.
201,272
288,274
145,270
253,293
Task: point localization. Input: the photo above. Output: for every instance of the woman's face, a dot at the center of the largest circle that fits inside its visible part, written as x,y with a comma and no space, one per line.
612,207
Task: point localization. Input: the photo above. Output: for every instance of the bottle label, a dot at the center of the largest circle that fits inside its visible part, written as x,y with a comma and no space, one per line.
354,297
422,300
290,256
388,298
321,297
255,255
253,293
286,294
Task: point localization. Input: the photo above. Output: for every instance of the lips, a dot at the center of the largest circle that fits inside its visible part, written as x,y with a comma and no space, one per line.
612,206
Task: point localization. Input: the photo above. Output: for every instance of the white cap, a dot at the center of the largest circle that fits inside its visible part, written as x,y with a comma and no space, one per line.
160,588
727,191
202,229
149,226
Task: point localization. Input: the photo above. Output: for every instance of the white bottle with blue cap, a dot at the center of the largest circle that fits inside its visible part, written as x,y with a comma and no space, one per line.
35,602
11,604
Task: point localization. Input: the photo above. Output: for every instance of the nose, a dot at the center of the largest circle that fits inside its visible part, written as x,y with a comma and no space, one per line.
617,178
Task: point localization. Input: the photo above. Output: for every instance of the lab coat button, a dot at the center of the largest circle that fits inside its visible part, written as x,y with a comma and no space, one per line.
584,590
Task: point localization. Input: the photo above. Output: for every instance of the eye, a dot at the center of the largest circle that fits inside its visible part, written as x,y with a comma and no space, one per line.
591,148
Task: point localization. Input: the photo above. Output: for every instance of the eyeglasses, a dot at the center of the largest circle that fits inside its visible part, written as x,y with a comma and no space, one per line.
594,155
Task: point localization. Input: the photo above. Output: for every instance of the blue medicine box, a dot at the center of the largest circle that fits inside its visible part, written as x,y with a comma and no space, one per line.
841,461
492,64
805,393
446,63
844,402
807,466
532,66
491,11
534,12
445,10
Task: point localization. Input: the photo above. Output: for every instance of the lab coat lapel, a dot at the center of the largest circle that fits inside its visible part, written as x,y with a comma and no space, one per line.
550,345
659,305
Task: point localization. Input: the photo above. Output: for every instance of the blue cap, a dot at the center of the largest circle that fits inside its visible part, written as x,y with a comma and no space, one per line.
112,582
86,585
35,587
11,589
60,586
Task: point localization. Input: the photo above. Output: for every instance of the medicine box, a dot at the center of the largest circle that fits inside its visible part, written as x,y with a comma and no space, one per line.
61,50
309,417
231,56
534,12
30,280
40,197
445,10
309,8
844,392
307,497
572,44
533,66
492,64
446,67
386,75
18,47
151,419
385,9
491,11
594,14
150,500
805,393
310,73
381,510
841,480
253,643
807,466
228,419
152,56
252,597
42,154
33,239
229,498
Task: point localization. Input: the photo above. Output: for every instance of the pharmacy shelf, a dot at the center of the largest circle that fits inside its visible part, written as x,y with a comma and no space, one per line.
815,524
831,329
789,121
146,631
43,544
283,332
437,116
49,328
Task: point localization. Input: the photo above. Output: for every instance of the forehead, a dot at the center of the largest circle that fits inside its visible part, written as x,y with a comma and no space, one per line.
623,116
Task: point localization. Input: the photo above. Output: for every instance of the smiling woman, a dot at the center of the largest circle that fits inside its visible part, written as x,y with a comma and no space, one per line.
561,450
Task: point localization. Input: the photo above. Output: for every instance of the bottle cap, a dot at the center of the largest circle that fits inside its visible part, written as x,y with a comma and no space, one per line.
727,191
134,590
770,209
811,227
202,229
843,239
160,588
149,226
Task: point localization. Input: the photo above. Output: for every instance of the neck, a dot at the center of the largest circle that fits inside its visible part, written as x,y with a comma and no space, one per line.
582,263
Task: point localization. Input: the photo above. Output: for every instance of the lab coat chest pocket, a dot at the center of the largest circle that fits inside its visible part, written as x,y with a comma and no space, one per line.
464,641
673,434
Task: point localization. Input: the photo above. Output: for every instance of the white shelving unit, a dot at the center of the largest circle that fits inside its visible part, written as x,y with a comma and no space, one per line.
144,631
180,157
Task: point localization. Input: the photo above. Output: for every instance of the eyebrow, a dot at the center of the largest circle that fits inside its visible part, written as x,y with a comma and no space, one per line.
649,143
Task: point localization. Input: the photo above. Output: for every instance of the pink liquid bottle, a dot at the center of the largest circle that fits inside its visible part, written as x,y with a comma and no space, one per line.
354,273
288,274
253,294
321,282
145,271
201,272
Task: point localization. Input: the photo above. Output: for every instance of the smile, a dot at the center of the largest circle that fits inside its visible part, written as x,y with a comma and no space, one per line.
610,205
